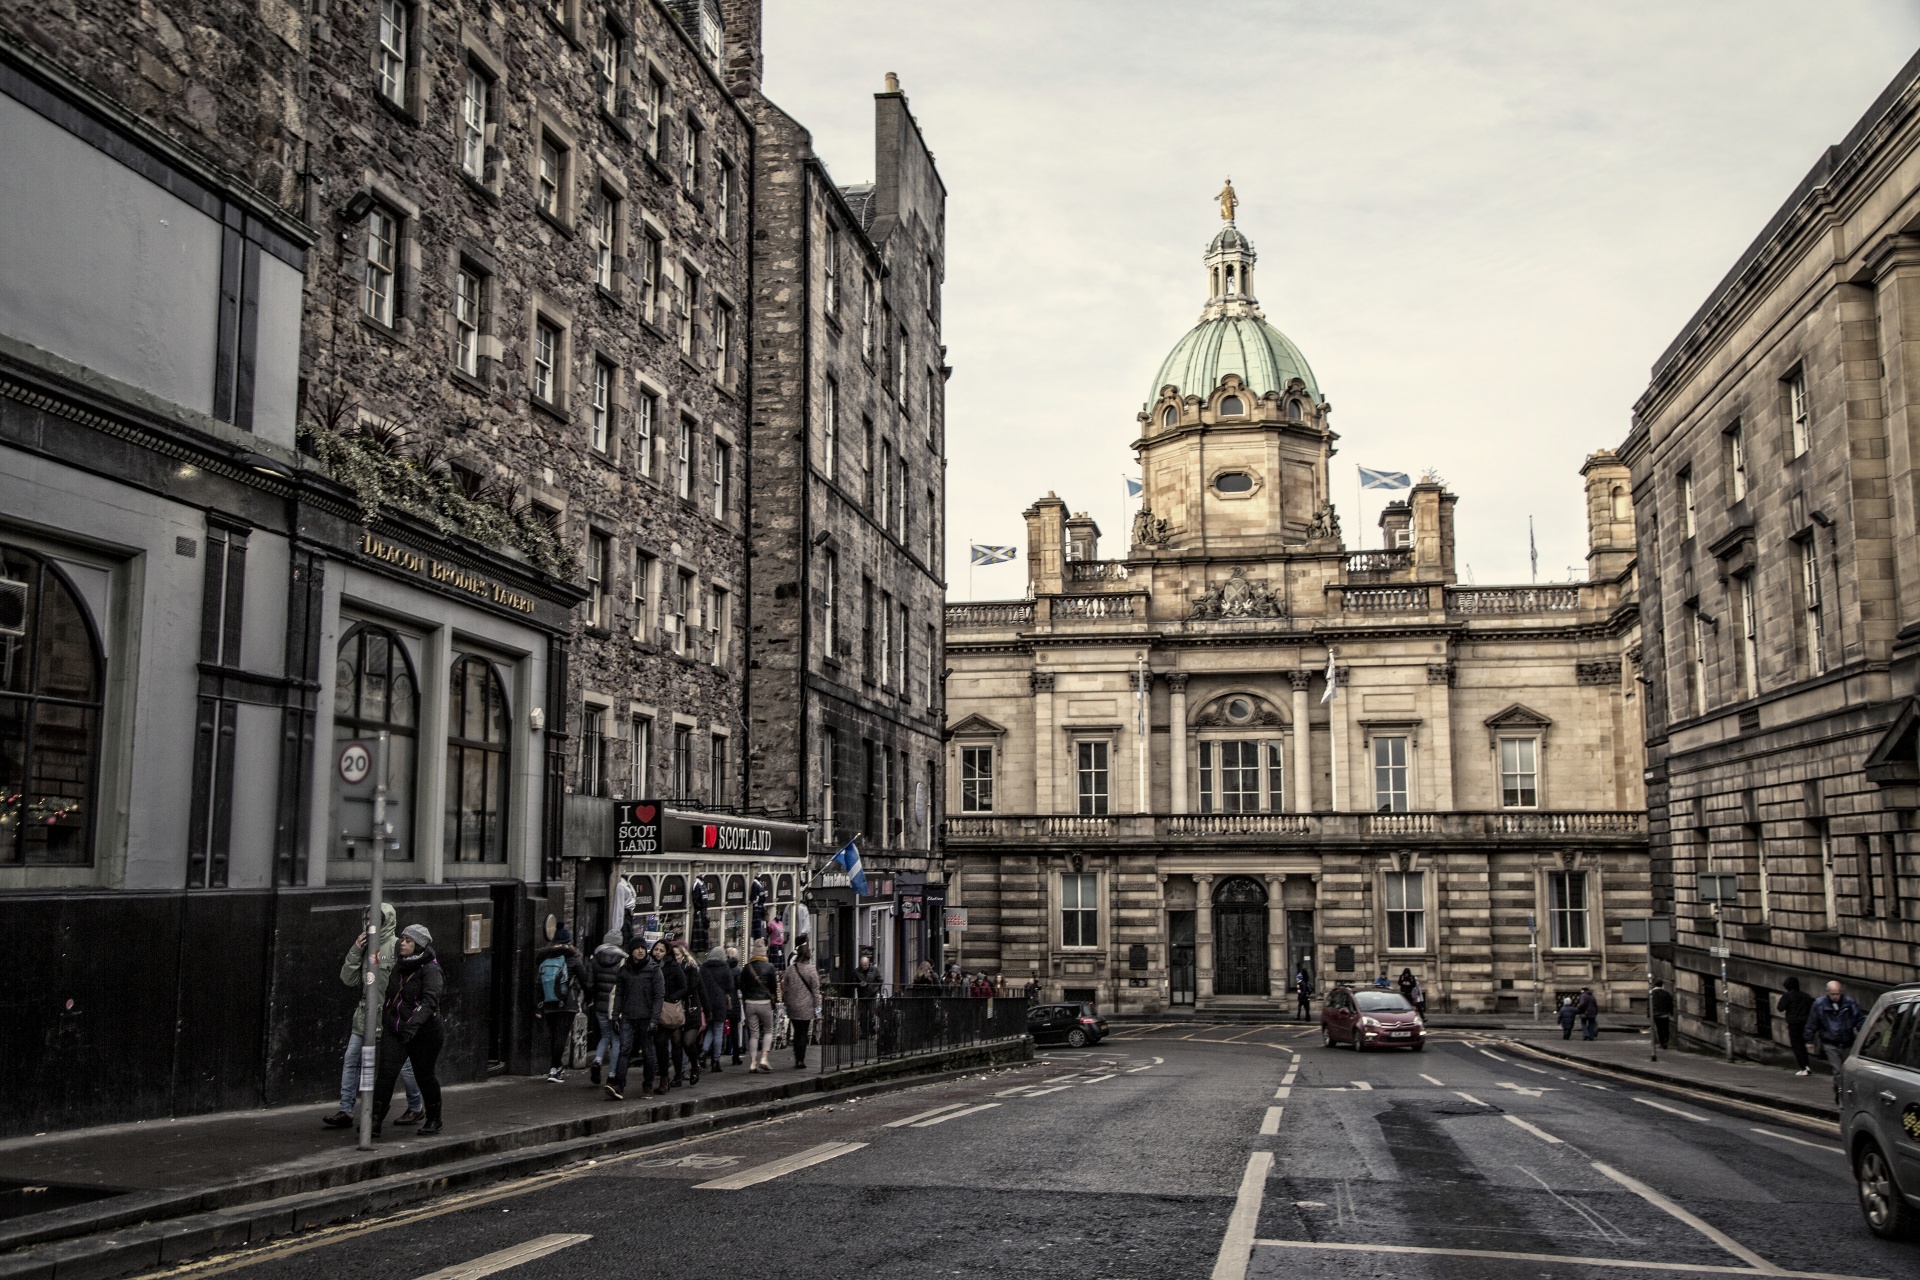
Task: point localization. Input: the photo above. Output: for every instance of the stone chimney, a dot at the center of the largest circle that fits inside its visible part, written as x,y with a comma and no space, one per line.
1432,531
742,61
1046,546
1610,536
1083,537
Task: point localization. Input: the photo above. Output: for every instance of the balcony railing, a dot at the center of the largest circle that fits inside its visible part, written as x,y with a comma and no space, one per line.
1098,607
1096,571
1513,599
1147,828
1386,599
1362,565
993,613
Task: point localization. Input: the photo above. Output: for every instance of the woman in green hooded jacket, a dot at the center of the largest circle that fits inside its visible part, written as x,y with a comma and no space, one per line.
350,970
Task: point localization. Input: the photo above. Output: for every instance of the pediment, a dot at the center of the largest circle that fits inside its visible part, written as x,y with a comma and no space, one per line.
975,726
1517,717
1895,759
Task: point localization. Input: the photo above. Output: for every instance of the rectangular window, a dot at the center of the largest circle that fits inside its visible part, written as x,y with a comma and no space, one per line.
720,620
641,612
830,603
689,306
976,779
640,757
1406,899
650,264
830,429
722,479
467,296
933,667
886,640
1390,774
1567,910
599,580
645,409
723,344
1079,909
1813,619
1519,773
886,485
830,270
1276,777
903,636
546,361
394,20
1696,642
606,225
900,363
866,462
1091,772
1689,521
719,792
690,155
593,750
1736,463
600,424
724,199
550,181
829,780
378,285
683,458
656,115
1749,639
900,492
682,610
473,125
1209,775
606,66
866,319
683,762
1798,419
1239,777
867,668
933,401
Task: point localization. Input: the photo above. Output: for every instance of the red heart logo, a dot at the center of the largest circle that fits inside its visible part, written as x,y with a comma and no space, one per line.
644,812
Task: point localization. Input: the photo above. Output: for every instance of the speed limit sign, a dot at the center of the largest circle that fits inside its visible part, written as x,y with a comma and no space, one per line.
356,762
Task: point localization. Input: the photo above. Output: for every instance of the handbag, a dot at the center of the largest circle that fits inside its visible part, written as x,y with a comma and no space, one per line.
673,1014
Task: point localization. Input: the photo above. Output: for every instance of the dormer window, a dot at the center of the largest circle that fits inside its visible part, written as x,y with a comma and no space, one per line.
1232,405
1169,417
1294,412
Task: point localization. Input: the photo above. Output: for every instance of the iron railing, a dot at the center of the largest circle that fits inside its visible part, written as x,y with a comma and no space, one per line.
853,1031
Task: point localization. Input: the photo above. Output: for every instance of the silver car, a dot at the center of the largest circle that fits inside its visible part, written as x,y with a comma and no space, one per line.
1880,1113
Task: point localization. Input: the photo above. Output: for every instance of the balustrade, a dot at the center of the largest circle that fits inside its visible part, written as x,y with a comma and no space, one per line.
1499,600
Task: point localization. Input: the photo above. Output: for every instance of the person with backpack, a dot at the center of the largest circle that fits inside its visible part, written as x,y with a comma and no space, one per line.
603,975
759,990
410,1032
559,978
351,971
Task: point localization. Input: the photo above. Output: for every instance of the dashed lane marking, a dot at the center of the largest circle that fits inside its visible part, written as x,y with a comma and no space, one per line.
1236,1247
1674,1111
1539,1071
1491,1054
1535,1130
1430,1080
789,1164
1524,1091
1470,1098
1041,1093
1362,1086
955,1115
1098,1079
488,1264
1282,1092
904,1121
1787,1137
1270,1123
1588,1084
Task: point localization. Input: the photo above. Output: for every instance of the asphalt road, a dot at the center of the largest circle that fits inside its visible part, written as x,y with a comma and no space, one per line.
1228,1153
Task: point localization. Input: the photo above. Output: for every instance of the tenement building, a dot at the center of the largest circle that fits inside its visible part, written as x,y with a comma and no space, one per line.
1180,775
1776,466
849,485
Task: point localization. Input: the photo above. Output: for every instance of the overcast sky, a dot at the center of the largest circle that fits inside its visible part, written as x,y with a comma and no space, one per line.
1481,222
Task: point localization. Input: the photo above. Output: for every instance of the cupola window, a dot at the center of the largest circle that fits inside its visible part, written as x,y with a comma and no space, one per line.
1233,482
1293,411
1233,282
1232,405
1169,417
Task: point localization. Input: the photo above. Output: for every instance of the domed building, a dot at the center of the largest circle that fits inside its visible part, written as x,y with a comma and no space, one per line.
1238,751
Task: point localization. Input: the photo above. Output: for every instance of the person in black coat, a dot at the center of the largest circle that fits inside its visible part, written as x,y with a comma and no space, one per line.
1797,1005
694,1033
666,1040
637,995
603,974
410,1027
1660,1007
717,988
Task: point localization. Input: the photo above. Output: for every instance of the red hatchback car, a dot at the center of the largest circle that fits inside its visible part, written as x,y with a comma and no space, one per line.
1370,1018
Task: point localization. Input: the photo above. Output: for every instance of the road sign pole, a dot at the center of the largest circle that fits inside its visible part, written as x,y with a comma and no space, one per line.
1533,947
1726,995
370,957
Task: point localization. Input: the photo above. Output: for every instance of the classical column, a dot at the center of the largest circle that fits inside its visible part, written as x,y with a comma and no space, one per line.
1202,938
1177,739
1277,972
1302,743
1045,749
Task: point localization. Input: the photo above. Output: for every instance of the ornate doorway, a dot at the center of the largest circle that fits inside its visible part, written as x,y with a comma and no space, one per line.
1240,938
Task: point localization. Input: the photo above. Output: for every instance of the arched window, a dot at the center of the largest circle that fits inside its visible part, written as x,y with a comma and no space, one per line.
1233,282
50,694
1169,417
477,774
1622,508
373,689
1294,411
1231,405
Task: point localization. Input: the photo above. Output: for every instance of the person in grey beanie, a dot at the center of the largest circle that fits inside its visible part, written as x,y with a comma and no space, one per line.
352,971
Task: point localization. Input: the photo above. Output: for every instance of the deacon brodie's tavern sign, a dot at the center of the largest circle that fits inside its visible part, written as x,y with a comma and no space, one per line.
451,575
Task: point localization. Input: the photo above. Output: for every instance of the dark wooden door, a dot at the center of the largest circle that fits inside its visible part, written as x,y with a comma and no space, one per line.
1240,949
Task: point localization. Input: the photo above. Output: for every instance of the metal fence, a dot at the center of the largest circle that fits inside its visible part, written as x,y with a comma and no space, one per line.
852,1031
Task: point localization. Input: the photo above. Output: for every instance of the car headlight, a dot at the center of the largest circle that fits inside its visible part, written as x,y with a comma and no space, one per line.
1374,1023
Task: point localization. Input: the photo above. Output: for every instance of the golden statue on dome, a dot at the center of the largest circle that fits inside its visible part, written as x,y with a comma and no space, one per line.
1228,201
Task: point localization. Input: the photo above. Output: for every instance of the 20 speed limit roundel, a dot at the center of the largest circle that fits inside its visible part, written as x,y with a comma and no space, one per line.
356,762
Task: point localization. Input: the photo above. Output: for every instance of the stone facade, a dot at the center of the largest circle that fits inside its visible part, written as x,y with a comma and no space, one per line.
849,490
1155,800
1774,474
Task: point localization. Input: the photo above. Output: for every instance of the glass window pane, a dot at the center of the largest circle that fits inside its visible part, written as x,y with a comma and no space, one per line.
373,688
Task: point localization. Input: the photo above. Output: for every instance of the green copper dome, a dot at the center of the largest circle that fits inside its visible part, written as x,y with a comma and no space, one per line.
1244,344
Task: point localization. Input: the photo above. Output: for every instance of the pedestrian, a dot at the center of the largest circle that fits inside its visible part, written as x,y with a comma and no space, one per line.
1589,1010
603,974
866,978
1567,1015
1406,984
1660,1005
1832,1024
351,970
693,1034
982,988
1795,1005
924,983
736,1016
800,988
673,1017
1302,994
717,987
559,977
1419,999
759,993
1033,987
410,1032
639,991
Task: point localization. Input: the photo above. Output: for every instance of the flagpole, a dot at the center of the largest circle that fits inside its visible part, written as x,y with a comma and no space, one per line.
1359,516
969,568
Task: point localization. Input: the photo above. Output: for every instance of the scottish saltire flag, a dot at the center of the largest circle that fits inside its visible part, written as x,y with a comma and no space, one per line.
984,554
848,860
1134,487
1371,479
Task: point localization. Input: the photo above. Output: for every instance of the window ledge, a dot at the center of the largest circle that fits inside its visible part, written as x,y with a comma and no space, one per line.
404,114
609,297
477,385
649,326
615,123
480,188
597,633
655,167
563,227
548,407
390,332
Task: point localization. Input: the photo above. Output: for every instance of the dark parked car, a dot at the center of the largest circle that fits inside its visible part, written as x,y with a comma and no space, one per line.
1368,1018
1074,1025
1880,1113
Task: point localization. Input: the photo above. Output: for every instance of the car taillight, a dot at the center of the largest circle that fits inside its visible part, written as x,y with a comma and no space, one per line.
1086,1022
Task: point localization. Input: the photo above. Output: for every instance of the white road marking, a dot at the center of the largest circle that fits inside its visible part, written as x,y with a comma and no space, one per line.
955,1115
1674,1111
1608,1231
1041,1093
1624,1263
1309,1204
1097,1079
1588,1084
1236,1248
1014,1092
779,1168
1787,1137
1712,1233
1289,1077
1363,1086
1430,1080
1283,1092
1522,1089
1535,1130
1539,1071
1131,1070
904,1121
1270,1123
1470,1098
1491,1054
488,1264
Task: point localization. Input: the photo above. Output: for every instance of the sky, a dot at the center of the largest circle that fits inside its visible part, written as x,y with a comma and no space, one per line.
1481,221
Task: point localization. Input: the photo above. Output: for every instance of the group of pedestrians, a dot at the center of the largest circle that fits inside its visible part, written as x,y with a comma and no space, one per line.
408,1037
1826,1025
1583,1008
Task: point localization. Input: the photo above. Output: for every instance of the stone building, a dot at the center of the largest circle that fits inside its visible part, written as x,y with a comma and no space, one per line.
849,502
1157,801
1774,476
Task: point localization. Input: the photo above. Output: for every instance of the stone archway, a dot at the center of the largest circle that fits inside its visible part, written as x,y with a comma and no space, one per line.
1240,938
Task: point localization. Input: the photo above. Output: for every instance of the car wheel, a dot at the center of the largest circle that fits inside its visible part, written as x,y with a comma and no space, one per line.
1887,1213
1356,1040
1076,1039
1326,1037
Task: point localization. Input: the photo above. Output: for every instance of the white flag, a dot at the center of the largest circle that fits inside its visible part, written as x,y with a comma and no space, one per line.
1333,680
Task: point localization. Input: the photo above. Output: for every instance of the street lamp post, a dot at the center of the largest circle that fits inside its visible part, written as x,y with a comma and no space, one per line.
1533,947
1648,930
1719,889
370,959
